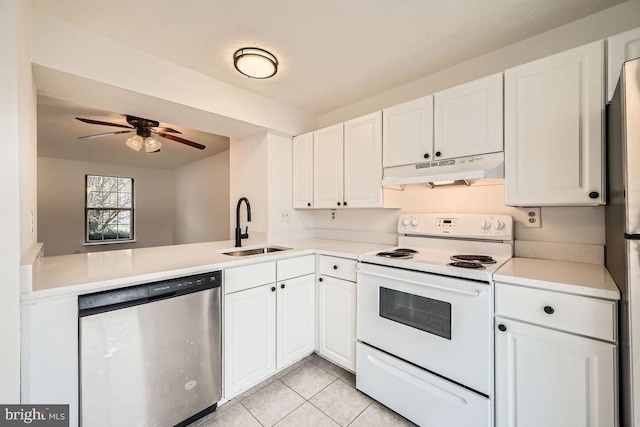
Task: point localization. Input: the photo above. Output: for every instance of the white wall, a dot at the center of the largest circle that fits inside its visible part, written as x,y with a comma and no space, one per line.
202,200
61,198
579,225
248,178
17,109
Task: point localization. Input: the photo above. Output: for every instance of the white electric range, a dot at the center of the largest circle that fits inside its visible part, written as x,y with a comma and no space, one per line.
425,318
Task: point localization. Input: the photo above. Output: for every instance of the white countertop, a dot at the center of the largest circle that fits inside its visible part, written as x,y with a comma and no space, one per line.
562,276
67,275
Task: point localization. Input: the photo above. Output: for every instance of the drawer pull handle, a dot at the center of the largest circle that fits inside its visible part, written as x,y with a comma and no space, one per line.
502,327
549,310
335,267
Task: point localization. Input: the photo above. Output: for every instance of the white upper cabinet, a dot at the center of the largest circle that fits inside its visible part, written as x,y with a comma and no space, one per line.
303,171
328,167
363,161
620,48
408,132
468,119
554,129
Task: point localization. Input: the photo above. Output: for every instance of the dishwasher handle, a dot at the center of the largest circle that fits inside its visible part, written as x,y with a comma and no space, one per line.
116,299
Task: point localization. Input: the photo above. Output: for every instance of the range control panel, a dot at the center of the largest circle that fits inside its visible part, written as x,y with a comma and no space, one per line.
472,226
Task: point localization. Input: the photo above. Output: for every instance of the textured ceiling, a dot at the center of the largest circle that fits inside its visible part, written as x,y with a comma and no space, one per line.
58,133
331,52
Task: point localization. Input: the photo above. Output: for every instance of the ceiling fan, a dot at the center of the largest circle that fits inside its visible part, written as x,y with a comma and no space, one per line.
144,128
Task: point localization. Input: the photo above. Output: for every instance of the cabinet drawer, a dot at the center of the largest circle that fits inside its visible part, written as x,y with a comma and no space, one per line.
295,267
241,278
340,268
581,315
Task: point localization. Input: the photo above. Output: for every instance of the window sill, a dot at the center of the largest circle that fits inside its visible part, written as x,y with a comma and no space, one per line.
109,242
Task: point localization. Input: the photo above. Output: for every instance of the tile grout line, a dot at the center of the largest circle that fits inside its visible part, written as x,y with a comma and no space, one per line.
330,417
361,412
251,413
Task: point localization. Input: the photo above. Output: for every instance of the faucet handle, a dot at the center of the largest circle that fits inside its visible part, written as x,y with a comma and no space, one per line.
246,233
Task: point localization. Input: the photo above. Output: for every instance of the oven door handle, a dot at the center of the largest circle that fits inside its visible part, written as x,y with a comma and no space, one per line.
471,293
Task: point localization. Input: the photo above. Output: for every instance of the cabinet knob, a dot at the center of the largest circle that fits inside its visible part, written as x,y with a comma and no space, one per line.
309,204
549,310
502,327
594,195
335,267
320,279
282,286
344,203
438,154
273,289
338,203
426,155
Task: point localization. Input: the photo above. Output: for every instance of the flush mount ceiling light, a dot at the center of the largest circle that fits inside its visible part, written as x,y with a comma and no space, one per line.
255,63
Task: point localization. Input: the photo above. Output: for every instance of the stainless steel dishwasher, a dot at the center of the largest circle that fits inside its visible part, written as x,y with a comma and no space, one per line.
150,355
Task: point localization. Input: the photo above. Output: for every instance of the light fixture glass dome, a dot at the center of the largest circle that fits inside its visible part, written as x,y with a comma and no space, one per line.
255,63
135,142
151,145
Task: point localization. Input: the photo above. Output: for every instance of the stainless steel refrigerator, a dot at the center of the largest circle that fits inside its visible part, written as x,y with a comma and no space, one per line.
622,213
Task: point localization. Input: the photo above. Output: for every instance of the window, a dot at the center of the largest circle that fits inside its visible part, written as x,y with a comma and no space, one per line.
108,209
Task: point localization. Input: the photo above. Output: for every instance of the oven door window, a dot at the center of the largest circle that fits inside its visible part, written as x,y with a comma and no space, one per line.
429,315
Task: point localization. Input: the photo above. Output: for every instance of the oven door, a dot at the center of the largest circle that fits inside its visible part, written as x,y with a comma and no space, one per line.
440,323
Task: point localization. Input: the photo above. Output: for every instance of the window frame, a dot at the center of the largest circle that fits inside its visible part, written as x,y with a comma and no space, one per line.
131,211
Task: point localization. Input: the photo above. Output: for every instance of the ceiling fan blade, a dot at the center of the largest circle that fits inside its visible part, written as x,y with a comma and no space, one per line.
98,135
162,129
181,140
98,122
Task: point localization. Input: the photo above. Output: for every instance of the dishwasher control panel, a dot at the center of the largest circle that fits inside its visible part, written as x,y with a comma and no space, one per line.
140,294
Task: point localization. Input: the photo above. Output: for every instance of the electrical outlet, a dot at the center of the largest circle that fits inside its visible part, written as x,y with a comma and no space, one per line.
532,218
285,216
333,215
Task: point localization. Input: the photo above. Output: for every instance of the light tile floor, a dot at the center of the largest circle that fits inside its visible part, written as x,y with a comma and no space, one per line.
312,392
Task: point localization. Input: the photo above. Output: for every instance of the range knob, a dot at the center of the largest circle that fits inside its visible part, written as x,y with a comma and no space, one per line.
485,225
415,222
498,224
406,222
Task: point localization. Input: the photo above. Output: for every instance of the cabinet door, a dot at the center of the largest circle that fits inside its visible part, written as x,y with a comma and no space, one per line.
468,119
303,171
250,337
408,132
554,130
553,379
620,48
337,321
363,161
328,167
296,319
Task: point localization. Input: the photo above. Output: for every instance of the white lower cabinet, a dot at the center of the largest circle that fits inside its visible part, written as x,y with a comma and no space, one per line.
556,359
295,319
337,321
553,379
250,337
267,326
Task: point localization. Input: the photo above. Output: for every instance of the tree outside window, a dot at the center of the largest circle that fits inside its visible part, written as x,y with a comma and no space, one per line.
109,209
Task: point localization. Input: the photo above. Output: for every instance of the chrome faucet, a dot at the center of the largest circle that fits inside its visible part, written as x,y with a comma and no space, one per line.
239,234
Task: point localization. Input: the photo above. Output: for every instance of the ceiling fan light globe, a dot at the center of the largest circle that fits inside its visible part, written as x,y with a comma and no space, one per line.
135,143
152,145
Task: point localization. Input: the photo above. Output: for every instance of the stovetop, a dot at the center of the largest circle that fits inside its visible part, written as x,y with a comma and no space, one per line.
466,246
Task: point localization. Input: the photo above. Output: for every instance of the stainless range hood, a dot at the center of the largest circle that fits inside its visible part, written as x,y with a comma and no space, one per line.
458,169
